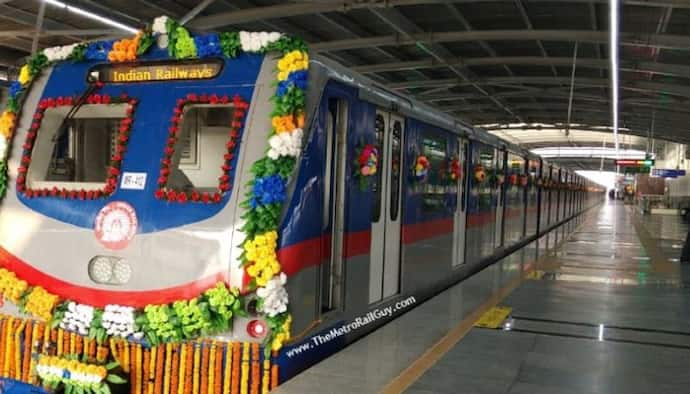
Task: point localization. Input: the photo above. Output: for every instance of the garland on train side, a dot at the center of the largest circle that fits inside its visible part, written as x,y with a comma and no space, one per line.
266,193
34,353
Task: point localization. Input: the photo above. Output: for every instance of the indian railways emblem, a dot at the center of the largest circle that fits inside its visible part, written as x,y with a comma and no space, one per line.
116,224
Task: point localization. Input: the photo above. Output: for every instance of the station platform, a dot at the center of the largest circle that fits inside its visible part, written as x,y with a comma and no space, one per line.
600,305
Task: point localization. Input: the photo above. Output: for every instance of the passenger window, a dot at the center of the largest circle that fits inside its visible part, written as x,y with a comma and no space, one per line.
198,158
396,150
75,152
435,150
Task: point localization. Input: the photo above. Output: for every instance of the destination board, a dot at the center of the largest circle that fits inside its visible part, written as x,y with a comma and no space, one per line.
158,71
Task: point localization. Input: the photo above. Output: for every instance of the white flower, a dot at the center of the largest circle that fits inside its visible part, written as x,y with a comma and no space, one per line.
163,41
159,25
55,54
255,41
285,144
275,297
3,148
119,320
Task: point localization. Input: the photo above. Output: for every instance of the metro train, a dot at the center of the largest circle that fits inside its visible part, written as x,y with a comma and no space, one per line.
438,200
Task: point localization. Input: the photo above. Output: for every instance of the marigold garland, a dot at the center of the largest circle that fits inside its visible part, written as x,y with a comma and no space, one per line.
145,371
265,381
189,367
210,369
26,357
203,386
124,50
168,363
152,370
244,379
228,368
227,365
17,375
256,377
7,351
137,369
175,369
182,369
60,342
236,364
218,369
160,369
196,370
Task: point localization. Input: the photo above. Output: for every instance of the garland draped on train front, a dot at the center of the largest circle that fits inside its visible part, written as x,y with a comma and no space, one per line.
266,193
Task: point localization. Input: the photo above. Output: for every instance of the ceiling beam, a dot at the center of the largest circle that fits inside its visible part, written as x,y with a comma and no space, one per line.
677,70
665,41
66,32
634,86
404,26
286,10
579,106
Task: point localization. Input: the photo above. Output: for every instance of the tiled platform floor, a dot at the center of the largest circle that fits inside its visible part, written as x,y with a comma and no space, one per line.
610,314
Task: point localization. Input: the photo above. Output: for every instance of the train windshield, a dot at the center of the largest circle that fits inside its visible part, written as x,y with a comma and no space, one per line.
75,149
198,159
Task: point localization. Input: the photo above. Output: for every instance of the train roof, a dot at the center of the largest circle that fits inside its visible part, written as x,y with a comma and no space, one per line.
371,91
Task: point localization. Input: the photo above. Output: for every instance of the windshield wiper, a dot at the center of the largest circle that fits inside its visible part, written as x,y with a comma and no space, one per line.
62,129
73,110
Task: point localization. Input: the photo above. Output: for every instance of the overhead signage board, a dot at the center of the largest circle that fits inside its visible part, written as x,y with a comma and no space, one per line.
667,173
633,162
157,71
636,170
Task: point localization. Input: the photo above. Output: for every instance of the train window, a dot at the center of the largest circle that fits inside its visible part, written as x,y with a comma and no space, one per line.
434,148
380,132
198,158
396,149
75,152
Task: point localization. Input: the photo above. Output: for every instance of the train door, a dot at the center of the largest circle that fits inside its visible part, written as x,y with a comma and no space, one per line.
500,197
384,269
460,220
335,122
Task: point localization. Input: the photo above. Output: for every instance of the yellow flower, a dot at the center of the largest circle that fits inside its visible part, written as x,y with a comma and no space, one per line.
7,121
24,75
102,372
275,267
278,342
271,236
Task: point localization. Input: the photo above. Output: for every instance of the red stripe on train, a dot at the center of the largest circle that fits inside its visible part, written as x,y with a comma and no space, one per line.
100,298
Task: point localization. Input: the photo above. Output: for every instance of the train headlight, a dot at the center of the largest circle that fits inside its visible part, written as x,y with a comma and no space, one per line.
109,270
100,269
257,329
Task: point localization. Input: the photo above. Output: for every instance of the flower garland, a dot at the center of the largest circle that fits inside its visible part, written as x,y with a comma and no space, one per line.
271,173
420,168
479,173
454,170
72,374
113,174
166,193
524,180
366,164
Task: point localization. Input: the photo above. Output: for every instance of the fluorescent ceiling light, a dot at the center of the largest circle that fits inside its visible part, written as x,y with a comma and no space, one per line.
603,178
613,51
91,15
589,152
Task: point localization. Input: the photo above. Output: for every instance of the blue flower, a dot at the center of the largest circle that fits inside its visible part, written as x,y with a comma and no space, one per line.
297,79
208,45
15,89
98,50
268,190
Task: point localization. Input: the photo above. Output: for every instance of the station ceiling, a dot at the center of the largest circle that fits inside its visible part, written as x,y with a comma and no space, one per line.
502,63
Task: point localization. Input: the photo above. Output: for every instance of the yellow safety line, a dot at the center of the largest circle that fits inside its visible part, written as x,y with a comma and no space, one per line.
410,375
